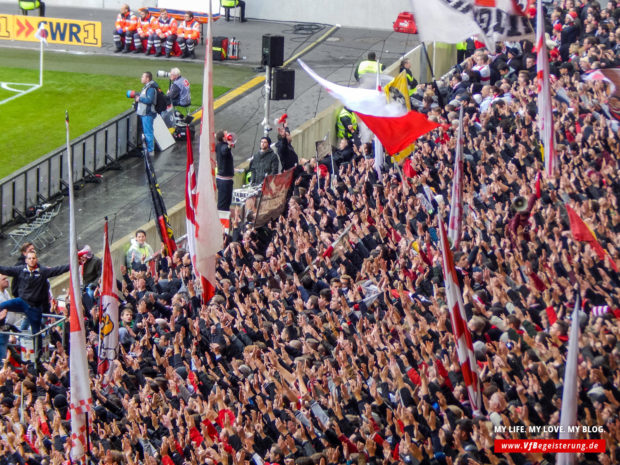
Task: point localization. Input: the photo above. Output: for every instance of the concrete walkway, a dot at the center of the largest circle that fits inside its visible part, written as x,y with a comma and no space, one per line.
123,195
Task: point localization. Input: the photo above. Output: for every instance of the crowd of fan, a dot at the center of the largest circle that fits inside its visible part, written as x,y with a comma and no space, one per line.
329,340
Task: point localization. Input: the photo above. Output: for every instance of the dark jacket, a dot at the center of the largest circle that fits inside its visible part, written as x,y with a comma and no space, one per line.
21,261
33,286
286,152
225,164
262,164
91,270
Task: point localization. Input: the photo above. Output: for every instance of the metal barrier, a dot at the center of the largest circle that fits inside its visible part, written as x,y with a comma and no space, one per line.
47,177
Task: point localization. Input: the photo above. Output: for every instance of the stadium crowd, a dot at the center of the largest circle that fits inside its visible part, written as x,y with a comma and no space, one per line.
329,340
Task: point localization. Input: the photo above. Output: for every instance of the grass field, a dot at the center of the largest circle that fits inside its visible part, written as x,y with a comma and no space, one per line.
92,88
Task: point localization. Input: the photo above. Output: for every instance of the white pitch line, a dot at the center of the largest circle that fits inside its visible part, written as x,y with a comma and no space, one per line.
20,94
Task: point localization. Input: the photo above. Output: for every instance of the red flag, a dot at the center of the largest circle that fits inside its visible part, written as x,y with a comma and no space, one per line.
462,336
398,133
80,400
582,233
208,230
108,344
537,187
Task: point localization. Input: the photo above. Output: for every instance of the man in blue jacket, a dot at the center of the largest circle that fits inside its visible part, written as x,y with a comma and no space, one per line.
145,108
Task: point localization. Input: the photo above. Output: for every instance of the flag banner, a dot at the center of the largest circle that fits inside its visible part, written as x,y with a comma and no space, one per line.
400,156
108,344
41,33
323,148
455,224
80,398
161,215
570,393
190,201
397,90
612,76
454,21
582,233
273,197
462,336
395,128
208,230
545,108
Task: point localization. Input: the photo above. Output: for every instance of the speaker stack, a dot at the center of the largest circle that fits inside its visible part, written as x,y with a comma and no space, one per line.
283,80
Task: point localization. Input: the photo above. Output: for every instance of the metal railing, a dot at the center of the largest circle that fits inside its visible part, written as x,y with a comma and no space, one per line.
46,177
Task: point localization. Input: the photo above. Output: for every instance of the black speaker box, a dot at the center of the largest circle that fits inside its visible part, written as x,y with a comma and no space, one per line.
283,84
273,50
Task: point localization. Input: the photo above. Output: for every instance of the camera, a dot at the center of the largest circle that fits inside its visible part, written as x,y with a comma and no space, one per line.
131,94
162,73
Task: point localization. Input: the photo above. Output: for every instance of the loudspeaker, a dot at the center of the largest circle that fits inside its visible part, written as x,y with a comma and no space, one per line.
283,84
273,50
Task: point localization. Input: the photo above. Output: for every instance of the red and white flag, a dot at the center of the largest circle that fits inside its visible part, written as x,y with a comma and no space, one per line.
462,336
545,108
568,413
455,224
396,128
41,33
208,230
108,343
80,401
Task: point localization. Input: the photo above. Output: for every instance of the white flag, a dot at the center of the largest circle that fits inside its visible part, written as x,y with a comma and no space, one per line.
108,343
81,400
455,224
568,414
41,33
208,227
545,108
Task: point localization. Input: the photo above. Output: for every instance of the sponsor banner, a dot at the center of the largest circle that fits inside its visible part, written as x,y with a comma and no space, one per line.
59,31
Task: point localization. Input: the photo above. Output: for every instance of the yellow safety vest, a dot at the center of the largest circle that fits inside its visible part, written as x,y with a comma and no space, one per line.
342,131
29,4
368,67
230,3
461,45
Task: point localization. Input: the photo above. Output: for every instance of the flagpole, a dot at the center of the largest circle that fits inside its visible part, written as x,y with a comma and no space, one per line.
41,64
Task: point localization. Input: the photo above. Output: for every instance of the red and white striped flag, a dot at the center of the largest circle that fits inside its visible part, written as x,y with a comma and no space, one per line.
108,343
462,336
545,109
81,400
455,224
208,230
568,413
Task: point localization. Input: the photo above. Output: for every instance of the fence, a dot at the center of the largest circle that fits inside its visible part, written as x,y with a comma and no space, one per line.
47,177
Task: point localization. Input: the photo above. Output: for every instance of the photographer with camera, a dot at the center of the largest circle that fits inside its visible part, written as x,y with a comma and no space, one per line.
179,91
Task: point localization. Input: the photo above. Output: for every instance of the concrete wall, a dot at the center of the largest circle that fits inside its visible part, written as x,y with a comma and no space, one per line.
348,13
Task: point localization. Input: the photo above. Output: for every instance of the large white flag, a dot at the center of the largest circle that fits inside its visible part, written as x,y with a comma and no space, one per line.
108,343
81,400
545,108
453,21
455,224
208,231
568,414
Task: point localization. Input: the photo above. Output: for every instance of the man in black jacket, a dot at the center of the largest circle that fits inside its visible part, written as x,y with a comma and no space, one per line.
225,171
33,289
286,152
264,163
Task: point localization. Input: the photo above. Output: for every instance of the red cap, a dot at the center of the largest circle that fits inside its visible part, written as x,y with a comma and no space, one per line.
573,14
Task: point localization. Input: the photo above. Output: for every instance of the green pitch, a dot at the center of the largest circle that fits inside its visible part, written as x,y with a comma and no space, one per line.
92,88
